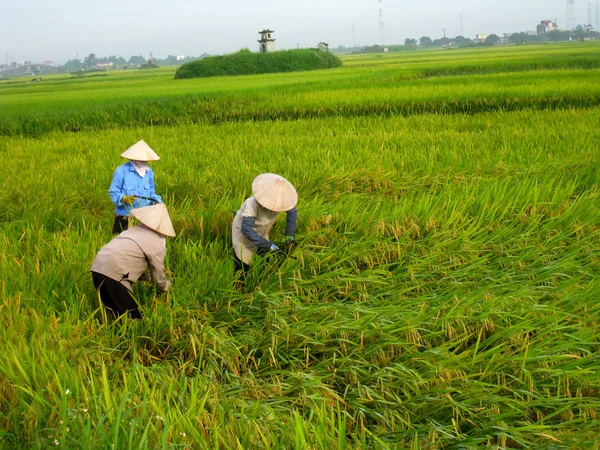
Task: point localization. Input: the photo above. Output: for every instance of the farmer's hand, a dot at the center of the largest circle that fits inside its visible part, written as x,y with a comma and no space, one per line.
146,276
164,289
128,199
290,244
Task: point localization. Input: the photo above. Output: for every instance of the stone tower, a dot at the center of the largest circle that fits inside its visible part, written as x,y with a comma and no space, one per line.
267,41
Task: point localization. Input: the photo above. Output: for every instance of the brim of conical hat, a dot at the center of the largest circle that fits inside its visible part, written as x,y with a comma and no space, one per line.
155,217
140,151
274,192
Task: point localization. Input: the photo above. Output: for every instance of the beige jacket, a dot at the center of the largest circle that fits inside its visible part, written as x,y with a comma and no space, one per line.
265,218
127,256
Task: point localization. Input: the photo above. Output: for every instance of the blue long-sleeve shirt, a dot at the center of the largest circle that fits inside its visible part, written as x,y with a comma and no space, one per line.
126,181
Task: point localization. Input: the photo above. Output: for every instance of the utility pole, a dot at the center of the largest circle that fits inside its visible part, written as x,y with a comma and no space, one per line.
444,32
381,27
597,16
590,14
353,36
7,60
297,45
570,14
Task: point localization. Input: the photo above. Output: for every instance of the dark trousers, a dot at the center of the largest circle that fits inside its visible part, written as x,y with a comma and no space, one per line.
121,224
239,265
240,270
116,297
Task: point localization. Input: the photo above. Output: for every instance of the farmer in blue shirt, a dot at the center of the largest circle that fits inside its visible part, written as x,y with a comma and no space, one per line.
133,184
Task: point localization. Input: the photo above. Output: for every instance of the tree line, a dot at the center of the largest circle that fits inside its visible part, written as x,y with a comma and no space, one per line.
92,60
514,38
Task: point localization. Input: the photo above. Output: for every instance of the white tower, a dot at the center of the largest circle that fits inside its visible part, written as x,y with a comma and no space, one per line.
267,41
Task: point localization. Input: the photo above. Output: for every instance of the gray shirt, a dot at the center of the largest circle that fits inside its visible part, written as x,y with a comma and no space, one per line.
127,256
262,222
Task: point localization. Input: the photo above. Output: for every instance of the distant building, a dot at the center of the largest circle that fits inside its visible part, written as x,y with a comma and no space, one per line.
480,38
546,26
323,46
267,41
179,57
49,63
588,28
505,39
104,66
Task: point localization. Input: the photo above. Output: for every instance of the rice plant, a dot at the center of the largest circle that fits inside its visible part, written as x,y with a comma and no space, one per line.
442,295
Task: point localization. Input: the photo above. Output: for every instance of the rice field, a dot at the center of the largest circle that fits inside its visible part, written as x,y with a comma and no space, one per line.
442,295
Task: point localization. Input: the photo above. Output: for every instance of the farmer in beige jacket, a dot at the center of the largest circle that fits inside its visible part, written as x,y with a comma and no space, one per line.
125,259
253,222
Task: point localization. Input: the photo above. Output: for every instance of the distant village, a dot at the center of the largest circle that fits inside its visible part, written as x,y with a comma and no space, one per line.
545,31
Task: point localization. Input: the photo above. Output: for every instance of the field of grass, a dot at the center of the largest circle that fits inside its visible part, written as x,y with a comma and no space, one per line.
442,294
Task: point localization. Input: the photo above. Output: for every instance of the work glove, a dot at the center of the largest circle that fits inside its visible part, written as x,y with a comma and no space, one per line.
128,199
290,244
271,250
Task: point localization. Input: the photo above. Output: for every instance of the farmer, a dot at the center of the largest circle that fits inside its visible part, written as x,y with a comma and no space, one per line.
133,184
125,259
252,223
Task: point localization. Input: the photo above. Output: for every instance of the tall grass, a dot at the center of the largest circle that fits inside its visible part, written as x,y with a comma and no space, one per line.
442,294
418,83
460,96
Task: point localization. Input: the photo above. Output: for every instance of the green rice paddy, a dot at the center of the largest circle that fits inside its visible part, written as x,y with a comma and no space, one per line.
444,293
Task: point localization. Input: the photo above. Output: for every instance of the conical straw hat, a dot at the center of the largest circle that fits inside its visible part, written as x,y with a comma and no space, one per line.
274,192
155,217
140,151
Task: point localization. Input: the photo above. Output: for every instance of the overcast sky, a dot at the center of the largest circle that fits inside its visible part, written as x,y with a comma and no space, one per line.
57,30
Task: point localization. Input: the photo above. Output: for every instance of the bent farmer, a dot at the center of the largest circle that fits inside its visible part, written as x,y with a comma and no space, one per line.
125,259
252,223
133,184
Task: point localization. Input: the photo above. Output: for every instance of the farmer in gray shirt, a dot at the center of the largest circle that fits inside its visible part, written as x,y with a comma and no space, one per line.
125,259
250,231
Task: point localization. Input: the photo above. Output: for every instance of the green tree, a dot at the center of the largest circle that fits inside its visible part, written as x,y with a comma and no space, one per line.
557,35
410,42
71,65
90,60
137,60
425,41
462,41
492,39
518,38
441,42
